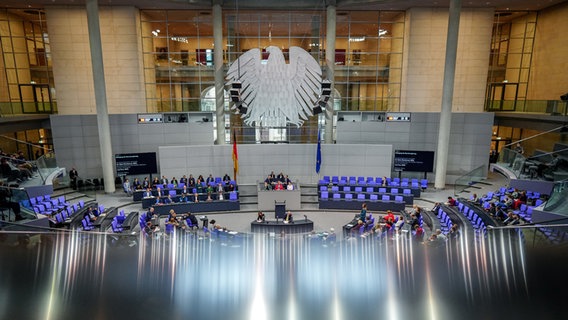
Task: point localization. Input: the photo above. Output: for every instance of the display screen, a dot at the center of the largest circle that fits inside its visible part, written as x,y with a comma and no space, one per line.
410,160
136,163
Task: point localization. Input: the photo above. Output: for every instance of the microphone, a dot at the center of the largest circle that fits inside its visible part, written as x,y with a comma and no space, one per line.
306,218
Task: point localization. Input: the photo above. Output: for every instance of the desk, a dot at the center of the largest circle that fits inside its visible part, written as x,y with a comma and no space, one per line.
266,199
298,226
347,228
356,205
193,207
148,202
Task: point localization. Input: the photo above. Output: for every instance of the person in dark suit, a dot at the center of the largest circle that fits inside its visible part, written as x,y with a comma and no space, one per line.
210,179
164,180
191,182
148,193
146,183
73,175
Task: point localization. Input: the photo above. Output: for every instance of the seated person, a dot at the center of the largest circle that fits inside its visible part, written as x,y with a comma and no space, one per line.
210,179
288,217
90,214
150,214
226,178
357,228
191,181
155,182
174,182
136,185
146,183
399,223
193,220
290,186
268,183
280,177
168,199
184,197
279,186
418,233
195,197
126,187
183,180
150,229
148,193
260,217
451,201
159,201
220,191
159,192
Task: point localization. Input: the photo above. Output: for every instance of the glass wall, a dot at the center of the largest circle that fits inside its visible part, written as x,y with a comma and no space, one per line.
26,79
510,60
178,59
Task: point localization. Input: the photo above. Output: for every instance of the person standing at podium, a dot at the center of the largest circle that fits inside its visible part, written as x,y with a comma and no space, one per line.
363,213
288,217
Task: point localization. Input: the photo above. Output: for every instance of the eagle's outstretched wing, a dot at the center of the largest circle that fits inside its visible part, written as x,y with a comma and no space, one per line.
305,76
246,69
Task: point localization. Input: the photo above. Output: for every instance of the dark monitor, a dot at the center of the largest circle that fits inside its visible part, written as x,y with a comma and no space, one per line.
414,160
280,209
136,163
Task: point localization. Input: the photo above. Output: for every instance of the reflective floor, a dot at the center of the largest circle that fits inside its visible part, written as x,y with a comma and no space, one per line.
85,276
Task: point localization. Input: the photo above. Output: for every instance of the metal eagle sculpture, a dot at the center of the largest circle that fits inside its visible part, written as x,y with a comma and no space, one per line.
276,93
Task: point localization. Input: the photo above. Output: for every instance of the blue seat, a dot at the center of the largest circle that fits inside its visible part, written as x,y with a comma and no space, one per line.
169,228
334,189
324,195
424,183
181,185
374,197
335,179
395,182
86,226
170,186
233,196
326,178
360,196
347,189
336,196
348,196
414,184
394,190
385,197
360,180
115,227
398,199
407,191
323,188
358,189
370,189
382,190
172,193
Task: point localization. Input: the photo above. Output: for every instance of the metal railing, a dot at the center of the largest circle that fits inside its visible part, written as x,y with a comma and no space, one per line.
470,178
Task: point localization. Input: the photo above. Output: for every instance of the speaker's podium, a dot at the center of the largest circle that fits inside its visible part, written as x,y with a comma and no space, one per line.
278,226
280,209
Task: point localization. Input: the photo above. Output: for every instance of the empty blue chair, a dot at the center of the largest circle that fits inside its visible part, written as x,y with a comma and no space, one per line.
335,179
115,227
342,182
335,189
374,197
172,193
360,180
370,189
398,199
385,197
404,182
62,201
348,196
170,186
370,179
86,226
388,182
324,195
358,189
406,191
538,202
323,188
336,196
361,196
326,178
347,189
414,184
233,196
424,183
181,185
395,182
81,203
394,190
169,228
379,181
382,190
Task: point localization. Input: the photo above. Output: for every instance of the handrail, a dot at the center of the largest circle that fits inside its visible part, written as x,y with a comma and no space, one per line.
534,136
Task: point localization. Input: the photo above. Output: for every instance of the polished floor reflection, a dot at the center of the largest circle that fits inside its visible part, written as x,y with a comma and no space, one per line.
84,276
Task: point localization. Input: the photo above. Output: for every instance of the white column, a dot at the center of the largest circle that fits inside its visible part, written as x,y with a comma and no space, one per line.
447,94
219,75
330,60
100,93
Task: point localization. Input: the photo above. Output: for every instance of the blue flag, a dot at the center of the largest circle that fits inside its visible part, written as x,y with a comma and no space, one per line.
318,154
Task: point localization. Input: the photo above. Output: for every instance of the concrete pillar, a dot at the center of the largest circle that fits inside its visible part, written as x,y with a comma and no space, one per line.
219,74
100,93
330,60
447,94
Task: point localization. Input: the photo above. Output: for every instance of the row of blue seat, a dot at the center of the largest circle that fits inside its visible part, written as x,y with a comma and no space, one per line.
203,184
374,181
324,195
367,189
